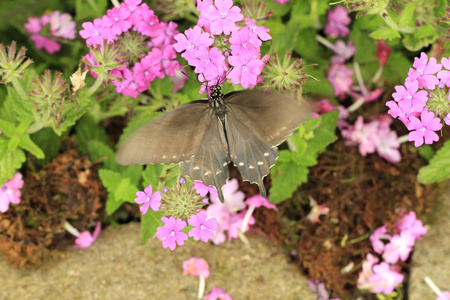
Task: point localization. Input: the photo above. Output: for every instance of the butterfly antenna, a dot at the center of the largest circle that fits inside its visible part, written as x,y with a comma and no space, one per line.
186,74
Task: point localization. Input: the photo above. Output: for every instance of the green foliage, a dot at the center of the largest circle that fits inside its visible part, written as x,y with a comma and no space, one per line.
86,130
120,189
50,143
291,169
10,161
439,167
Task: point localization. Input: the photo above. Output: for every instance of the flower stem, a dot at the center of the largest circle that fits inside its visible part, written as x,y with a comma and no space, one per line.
434,287
72,230
201,287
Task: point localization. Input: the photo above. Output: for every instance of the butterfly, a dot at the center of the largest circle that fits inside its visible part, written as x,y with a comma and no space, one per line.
204,136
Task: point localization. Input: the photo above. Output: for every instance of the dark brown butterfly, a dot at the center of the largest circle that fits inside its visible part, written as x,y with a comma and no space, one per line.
205,135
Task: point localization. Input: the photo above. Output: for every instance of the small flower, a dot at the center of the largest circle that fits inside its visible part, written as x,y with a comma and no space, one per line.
377,244
319,289
218,294
424,129
147,199
410,223
446,296
223,16
84,239
444,75
198,267
383,52
366,272
399,247
258,201
340,77
203,228
171,233
425,71
343,52
245,71
203,189
337,21
10,192
316,211
385,278
410,99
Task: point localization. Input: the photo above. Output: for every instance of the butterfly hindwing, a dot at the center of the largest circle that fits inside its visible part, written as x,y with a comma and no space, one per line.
210,163
171,137
252,156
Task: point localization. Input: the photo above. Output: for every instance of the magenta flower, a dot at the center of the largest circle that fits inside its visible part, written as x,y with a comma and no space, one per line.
319,289
316,211
196,266
366,272
218,294
236,223
171,232
410,99
385,278
445,296
86,239
33,26
243,45
343,52
148,23
375,239
203,228
258,201
387,145
223,16
116,20
245,71
337,21
203,189
383,52
425,71
424,128
399,247
260,31
191,41
410,223
340,77
62,26
92,32
444,75
361,134
210,63
147,199
10,192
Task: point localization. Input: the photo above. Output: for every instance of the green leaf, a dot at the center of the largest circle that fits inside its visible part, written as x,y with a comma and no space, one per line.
47,140
119,189
27,143
407,17
151,175
439,167
86,130
149,222
10,161
285,40
18,138
385,33
307,46
286,177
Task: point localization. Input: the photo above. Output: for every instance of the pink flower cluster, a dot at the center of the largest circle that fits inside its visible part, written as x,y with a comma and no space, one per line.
374,136
61,26
423,102
220,45
132,18
10,192
383,277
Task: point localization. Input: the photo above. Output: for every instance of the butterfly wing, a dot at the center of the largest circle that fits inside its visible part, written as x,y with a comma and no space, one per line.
269,115
210,163
171,137
256,123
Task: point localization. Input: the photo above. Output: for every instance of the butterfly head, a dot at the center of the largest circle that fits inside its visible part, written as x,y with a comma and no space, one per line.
216,92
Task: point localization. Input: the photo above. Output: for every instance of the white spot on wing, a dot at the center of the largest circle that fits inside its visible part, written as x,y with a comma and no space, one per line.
174,156
260,163
224,164
241,164
164,156
266,154
196,168
207,173
251,167
218,172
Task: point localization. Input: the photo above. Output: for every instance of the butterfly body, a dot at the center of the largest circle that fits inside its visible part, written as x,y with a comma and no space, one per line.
204,136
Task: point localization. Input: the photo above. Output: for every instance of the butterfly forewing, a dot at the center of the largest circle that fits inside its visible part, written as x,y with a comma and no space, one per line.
171,137
269,115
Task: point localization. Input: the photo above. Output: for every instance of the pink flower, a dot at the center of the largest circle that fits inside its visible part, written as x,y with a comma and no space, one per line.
343,52
258,201
444,75
385,278
171,233
361,134
116,20
399,247
319,289
149,23
234,198
446,295
218,294
203,228
92,32
425,71
387,144
410,99
196,266
316,211
375,239
410,223
210,63
260,31
10,192
223,16
33,26
245,71
86,239
340,77
62,26
337,21
242,44
41,42
203,189
424,128
366,272
147,199
191,41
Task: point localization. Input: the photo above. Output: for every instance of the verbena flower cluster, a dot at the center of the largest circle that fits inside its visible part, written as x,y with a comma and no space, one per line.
219,222
376,135
146,42
383,276
423,102
224,45
10,192
60,26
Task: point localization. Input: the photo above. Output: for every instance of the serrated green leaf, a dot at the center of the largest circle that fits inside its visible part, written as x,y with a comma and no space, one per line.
407,17
439,167
285,40
28,144
150,221
424,32
10,161
50,143
86,130
329,120
385,33
413,44
286,177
